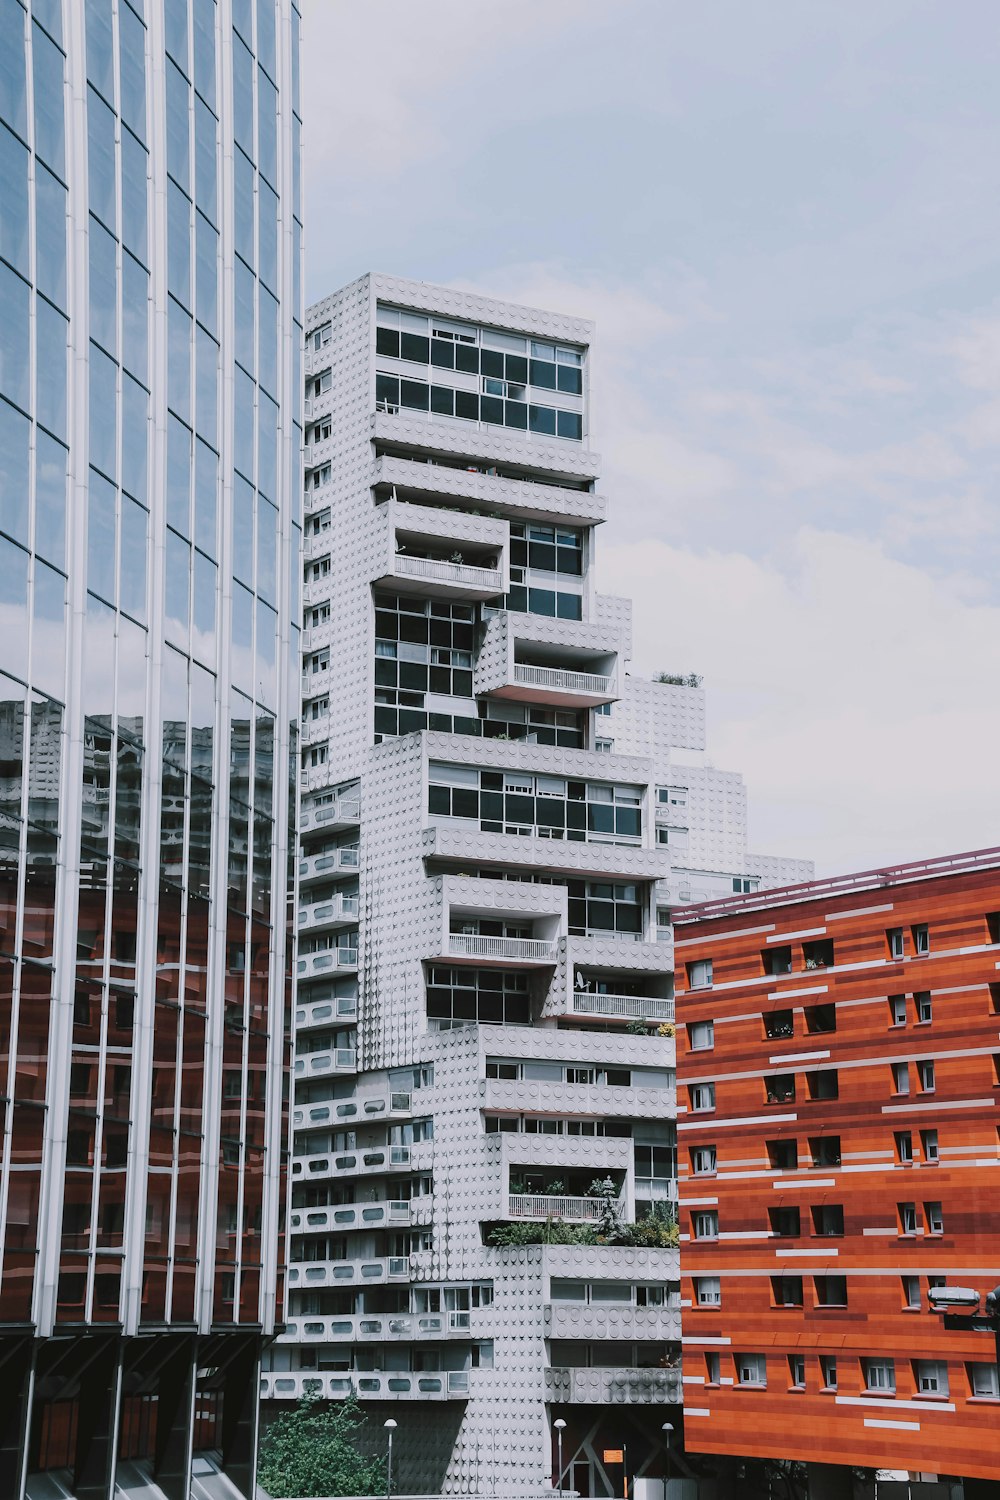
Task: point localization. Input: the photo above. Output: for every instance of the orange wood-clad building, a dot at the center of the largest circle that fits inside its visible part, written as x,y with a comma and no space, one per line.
838,1073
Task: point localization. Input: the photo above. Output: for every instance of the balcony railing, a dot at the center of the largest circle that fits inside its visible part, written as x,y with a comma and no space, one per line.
556,677
348,1272
622,1007
471,945
311,866
319,1064
326,913
349,1216
341,1009
549,1206
291,1385
328,958
351,1163
448,572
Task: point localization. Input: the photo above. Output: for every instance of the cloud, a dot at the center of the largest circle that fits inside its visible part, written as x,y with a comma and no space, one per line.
853,691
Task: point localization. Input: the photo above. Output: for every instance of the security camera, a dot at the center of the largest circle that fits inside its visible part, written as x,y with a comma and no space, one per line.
943,1297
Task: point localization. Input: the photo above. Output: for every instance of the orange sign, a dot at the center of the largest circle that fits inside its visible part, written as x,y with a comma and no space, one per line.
614,1455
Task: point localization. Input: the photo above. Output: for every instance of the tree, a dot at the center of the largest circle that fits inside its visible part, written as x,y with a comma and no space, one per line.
312,1451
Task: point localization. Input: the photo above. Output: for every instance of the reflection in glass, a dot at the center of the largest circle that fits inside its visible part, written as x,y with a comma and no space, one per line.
135,317
14,196
177,126
206,274
131,70
207,395
205,186
134,432
243,509
103,401
206,469
178,586
15,432
103,287
101,537
132,645
14,607
47,64
48,646
101,159
50,236
205,588
267,219
243,97
178,476
50,367
267,127
267,546
267,445
135,167
14,297
178,244
243,401
178,359
132,567
243,204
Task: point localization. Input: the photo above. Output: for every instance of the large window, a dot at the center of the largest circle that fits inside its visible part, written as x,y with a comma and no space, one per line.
512,375
459,996
542,560
544,806
500,718
598,906
422,646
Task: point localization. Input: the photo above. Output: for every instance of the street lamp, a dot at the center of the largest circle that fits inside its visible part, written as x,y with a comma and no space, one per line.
667,1428
959,1306
390,1427
560,1427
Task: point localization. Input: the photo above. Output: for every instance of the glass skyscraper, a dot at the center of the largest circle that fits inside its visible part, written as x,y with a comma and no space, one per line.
150,398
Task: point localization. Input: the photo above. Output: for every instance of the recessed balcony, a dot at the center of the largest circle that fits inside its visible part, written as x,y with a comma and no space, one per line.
562,663
505,950
450,575
558,1206
330,817
622,1007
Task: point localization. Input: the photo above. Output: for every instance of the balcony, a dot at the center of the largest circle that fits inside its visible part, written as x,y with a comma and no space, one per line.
316,866
329,960
356,1163
292,1385
324,1064
319,1273
618,1386
459,580
502,949
612,1320
482,486
324,916
344,1216
343,812
342,1009
562,663
586,684
622,1007
381,1328
550,1206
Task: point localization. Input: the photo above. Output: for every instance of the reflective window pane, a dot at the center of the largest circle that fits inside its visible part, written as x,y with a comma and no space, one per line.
13,96
47,67
132,70
243,97
178,359
14,607
243,184
178,585
207,402
50,367
267,127
178,244
50,495
177,127
132,567
48,648
100,50
243,517
178,476
267,342
15,432
103,403
206,478
267,216
101,537
267,446
175,25
135,165
14,197
204,52
135,317
267,548
135,411
101,159
206,274
14,301
103,287
50,236
205,156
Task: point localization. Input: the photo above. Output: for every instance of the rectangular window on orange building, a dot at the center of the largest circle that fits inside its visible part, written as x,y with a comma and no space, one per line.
894,939
751,1369
703,1161
705,1224
925,1075
713,1369
904,1147
934,1218
828,1371
907,1218
699,974
897,1010
820,1018
880,1375
797,1372
831,1291
786,1291
921,939
701,1035
900,1078
785,1222
823,1083
924,1005
825,1150
707,1291
777,960
780,1088
782,1156
701,1096
983,1380
929,1146
828,1219
930,1377
779,1023
911,1292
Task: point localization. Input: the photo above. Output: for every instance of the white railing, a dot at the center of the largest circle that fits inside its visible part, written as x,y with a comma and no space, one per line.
627,1007
329,958
311,866
548,1206
555,677
343,810
318,1064
448,572
471,945
353,1272
349,1216
343,1008
351,1163
325,913
383,1326
290,1385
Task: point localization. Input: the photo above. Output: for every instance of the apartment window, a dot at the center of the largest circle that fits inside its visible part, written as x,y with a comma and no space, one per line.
743,885
825,1150
779,1023
925,1075
934,1218
929,1145
821,1018
828,1219
818,954
828,1372
703,1161
797,1372
785,1222
701,1035
924,1006
707,1291
777,960
713,1369
911,1292
900,1078
930,1377
831,1291
545,806
921,939
897,1010
780,1088
705,1224
983,1380
782,1156
907,1218
596,907
460,996
823,1083
751,1369
701,1096
699,974
904,1147
894,940
786,1291
880,1375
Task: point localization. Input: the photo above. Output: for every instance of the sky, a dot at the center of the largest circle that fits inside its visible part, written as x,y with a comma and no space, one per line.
784,219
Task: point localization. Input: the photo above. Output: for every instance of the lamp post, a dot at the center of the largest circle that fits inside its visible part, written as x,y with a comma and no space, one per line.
667,1428
390,1427
560,1427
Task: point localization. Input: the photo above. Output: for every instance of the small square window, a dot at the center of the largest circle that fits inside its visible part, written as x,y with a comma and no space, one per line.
703,1161
707,1291
751,1369
880,1375
983,1380
705,1224
701,1035
700,974
930,1377
701,1097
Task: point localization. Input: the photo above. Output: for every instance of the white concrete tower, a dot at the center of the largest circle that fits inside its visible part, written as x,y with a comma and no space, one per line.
496,822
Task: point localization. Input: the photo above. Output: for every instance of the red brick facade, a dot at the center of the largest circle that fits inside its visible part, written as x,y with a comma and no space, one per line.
837,1071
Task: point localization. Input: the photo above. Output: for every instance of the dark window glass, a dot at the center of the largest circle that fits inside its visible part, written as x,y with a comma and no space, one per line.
14,196
491,409
466,403
443,400
570,425
467,358
543,374
570,380
414,393
414,346
542,419
442,353
387,341
515,414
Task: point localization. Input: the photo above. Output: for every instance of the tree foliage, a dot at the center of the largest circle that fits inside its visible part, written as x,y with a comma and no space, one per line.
312,1451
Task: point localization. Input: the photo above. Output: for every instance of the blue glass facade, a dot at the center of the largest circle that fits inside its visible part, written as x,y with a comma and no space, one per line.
150,497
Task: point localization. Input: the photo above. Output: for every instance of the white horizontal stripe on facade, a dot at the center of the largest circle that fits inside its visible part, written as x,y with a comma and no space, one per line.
938,1105
697,1411
724,937
697,1202
893,1403
826,1251
705,1341
896,1426
787,1182
792,1057
716,1124
857,911
784,937
815,989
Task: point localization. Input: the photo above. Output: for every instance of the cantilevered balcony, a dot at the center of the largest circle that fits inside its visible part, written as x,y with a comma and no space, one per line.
338,1011
480,485
393,1213
292,1385
326,1063
327,961
505,950
558,1206
563,663
613,1387
391,1328
368,1161
344,811
621,1007
441,552
322,1273
329,865
326,916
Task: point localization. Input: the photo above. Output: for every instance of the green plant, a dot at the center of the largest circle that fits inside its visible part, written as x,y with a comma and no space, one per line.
637,1028
657,1230
312,1451
666,1028
674,679
549,1232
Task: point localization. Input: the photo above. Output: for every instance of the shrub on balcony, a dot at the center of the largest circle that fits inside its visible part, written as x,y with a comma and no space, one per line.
674,679
547,1232
658,1230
